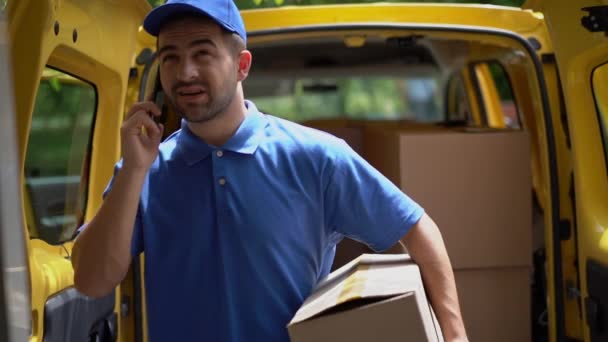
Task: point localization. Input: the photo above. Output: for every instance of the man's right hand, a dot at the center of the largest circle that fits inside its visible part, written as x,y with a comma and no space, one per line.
140,136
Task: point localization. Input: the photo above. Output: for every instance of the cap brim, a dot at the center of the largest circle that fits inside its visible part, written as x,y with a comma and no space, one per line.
155,19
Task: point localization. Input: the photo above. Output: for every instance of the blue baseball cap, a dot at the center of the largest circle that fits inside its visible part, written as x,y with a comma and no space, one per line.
224,12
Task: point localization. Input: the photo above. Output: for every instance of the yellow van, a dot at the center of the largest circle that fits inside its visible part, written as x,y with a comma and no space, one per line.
353,70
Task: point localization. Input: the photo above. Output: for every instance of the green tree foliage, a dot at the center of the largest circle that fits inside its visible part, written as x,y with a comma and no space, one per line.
155,3
61,126
246,4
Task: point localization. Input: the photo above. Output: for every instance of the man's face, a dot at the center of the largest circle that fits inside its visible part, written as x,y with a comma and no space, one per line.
198,70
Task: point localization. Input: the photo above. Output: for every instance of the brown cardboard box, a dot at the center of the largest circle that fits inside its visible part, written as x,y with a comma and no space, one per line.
352,132
475,185
372,298
342,129
495,303
348,249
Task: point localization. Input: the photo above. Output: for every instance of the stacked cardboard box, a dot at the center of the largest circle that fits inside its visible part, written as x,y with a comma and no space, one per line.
476,185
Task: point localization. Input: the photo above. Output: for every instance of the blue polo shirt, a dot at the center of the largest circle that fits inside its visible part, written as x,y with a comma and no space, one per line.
236,237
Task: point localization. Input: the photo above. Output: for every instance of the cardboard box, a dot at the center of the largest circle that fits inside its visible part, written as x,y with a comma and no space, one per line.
495,303
372,298
349,249
475,185
342,129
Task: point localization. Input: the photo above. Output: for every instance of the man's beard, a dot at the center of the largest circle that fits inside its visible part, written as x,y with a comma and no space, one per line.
214,107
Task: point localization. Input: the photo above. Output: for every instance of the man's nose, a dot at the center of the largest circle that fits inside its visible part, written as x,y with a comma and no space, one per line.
188,71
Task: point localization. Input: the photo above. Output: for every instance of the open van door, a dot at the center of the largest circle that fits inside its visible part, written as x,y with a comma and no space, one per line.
15,322
71,65
579,33
472,44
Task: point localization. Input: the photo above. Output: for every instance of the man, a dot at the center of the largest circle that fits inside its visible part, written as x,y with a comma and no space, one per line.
238,212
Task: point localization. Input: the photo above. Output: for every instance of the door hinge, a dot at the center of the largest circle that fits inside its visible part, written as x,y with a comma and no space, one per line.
597,20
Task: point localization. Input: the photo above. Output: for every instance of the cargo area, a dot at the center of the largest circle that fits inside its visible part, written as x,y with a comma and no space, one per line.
476,185
472,175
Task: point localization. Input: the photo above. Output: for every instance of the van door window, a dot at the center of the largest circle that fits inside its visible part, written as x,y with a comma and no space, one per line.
457,105
356,96
56,164
497,95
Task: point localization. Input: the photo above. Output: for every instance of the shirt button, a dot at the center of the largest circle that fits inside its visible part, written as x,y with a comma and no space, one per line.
219,153
222,181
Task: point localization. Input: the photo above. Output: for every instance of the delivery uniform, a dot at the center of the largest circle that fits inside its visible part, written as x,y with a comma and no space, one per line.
236,237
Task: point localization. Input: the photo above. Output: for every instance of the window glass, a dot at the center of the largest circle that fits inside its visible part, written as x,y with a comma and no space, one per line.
56,164
496,95
354,97
505,92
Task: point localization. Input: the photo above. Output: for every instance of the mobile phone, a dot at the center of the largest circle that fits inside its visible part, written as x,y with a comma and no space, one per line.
159,99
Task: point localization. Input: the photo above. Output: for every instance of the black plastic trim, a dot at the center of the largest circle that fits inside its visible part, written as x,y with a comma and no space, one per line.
551,149
596,304
548,58
603,128
565,230
597,18
71,316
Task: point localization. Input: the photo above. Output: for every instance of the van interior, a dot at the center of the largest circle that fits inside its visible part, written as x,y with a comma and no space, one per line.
451,119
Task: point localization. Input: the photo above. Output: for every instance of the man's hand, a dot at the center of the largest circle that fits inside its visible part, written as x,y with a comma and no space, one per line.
140,136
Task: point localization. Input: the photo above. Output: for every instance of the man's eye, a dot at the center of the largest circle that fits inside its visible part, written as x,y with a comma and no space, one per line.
168,58
201,53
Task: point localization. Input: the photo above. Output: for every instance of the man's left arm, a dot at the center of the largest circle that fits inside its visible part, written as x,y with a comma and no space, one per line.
425,245
362,204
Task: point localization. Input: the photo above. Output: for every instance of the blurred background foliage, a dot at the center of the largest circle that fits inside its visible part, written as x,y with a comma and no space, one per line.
56,164
246,4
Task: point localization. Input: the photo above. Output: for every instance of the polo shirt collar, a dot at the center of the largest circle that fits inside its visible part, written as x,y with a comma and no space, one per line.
245,140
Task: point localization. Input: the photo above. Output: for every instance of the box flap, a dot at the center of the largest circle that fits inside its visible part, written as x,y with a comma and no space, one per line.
368,276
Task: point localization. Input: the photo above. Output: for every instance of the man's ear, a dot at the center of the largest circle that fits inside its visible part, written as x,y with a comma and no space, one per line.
244,64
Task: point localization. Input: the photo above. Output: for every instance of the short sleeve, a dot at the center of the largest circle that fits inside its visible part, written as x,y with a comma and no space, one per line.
137,241
362,204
